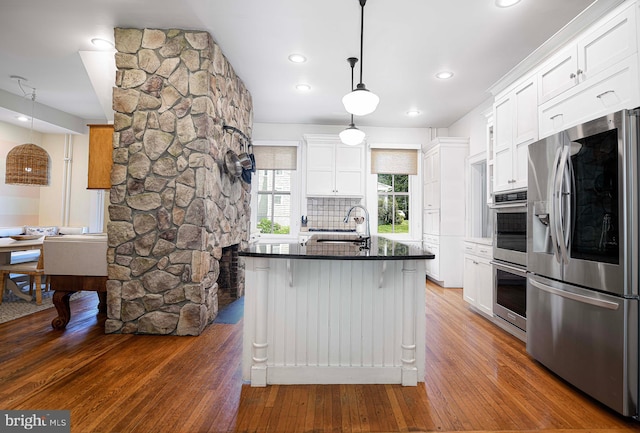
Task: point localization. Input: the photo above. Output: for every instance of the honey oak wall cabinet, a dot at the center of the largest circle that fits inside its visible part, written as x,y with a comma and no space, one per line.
100,156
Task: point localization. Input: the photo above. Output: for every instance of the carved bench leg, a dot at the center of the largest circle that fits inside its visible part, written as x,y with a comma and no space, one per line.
102,304
61,302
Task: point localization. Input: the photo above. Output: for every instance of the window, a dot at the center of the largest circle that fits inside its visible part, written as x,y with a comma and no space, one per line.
393,203
274,207
274,201
395,169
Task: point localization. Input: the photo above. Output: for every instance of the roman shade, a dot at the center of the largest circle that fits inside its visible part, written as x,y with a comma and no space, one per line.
276,157
394,161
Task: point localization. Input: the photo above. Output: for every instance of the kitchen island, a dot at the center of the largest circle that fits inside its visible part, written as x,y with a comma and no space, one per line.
335,309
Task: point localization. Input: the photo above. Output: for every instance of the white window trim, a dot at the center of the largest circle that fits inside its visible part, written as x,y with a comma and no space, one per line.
415,196
296,181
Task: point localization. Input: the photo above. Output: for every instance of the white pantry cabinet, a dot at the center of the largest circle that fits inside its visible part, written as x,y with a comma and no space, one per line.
478,276
333,168
444,162
515,117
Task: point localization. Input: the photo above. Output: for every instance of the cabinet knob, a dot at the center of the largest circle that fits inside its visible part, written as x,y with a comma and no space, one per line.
580,71
572,75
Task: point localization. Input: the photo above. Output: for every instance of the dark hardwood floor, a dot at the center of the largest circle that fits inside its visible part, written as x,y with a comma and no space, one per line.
479,378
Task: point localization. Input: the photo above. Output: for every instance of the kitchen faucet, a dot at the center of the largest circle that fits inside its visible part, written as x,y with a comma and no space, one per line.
367,234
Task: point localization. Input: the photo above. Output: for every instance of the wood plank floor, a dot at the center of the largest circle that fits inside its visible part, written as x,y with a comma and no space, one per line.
479,378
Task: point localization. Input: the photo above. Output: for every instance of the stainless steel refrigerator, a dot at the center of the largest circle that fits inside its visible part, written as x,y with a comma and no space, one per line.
582,257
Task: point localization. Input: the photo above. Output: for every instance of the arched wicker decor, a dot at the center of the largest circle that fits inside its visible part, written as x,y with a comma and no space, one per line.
27,164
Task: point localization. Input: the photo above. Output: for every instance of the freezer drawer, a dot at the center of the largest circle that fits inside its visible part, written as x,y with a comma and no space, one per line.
588,338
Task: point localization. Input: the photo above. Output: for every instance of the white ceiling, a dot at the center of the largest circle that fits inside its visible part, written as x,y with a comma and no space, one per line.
406,43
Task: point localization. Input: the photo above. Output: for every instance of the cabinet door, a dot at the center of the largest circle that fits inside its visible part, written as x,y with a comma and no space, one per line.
100,156
469,289
484,286
321,169
613,89
432,195
433,266
432,222
432,165
503,148
558,74
607,44
525,105
349,170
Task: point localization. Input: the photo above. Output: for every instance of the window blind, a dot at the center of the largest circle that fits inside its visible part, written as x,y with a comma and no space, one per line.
394,161
276,157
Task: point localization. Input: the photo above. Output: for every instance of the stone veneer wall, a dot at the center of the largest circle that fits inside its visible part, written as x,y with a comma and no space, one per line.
173,206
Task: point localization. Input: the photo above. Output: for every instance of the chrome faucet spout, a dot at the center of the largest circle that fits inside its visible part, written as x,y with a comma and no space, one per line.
367,233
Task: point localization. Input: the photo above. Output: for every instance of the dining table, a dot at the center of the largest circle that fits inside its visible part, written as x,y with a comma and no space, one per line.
10,245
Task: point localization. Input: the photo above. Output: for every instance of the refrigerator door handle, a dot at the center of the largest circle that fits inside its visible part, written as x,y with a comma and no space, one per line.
561,217
574,296
553,208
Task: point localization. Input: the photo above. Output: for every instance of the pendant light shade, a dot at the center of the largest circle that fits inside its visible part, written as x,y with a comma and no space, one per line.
352,136
27,164
361,101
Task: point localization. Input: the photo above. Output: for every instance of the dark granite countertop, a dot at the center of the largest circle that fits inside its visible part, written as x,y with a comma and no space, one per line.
340,247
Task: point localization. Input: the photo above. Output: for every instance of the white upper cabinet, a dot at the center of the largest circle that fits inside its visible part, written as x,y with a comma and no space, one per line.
604,45
594,75
515,118
332,168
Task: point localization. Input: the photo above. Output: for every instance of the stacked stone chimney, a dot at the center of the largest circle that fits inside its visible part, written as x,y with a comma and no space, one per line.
173,205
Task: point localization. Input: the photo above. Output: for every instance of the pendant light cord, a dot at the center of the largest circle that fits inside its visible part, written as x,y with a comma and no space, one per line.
352,62
362,3
33,102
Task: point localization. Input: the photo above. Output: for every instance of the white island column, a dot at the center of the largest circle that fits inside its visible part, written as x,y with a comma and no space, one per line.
409,369
259,343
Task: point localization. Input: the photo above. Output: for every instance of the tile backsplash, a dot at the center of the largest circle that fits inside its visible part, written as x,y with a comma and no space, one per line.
328,213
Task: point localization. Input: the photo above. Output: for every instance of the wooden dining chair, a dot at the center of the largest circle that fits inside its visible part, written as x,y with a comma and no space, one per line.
35,271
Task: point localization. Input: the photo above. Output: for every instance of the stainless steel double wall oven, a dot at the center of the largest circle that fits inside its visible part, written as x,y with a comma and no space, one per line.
510,257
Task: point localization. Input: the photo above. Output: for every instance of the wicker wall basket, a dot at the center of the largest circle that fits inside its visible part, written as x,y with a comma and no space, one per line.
27,164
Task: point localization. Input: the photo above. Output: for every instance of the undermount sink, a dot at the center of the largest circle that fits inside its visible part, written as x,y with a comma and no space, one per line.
340,241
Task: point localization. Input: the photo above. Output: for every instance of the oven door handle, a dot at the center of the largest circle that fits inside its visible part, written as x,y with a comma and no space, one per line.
518,271
508,205
574,296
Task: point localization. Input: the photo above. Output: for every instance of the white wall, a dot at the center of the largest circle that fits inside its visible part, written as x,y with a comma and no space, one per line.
19,205
375,134
474,126
81,199
30,205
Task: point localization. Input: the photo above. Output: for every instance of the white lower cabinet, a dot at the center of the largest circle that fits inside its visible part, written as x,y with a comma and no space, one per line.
444,269
478,276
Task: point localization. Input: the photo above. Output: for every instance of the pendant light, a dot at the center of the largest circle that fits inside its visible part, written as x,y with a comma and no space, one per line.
352,136
27,164
361,101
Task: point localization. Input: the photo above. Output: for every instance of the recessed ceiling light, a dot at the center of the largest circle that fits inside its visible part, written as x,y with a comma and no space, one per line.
413,113
303,87
444,75
297,58
23,118
102,43
506,3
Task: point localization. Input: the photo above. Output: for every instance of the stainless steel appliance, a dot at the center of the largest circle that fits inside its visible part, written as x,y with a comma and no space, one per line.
510,293
510,227
582,243
510,257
